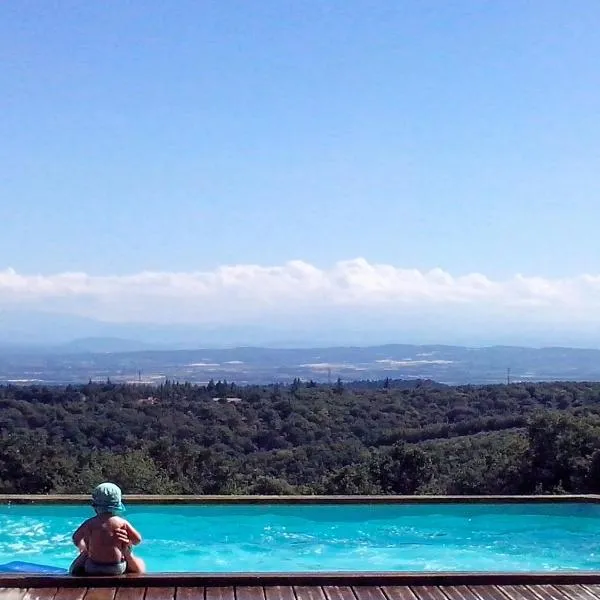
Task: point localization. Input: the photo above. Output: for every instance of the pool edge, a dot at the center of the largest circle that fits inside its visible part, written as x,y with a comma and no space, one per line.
345,499
298,579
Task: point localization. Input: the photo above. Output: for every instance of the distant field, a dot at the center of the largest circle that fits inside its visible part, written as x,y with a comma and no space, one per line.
452,365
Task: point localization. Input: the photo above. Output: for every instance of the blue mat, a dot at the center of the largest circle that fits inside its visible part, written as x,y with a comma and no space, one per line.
17,566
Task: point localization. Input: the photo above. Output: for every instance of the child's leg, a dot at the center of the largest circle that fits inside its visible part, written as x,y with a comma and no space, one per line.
78,565
134,564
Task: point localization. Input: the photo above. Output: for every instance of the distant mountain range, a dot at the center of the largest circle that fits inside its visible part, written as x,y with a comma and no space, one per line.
56,348
60,332
122,360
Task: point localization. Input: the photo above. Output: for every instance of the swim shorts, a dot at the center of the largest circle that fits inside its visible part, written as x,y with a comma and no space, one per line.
98,568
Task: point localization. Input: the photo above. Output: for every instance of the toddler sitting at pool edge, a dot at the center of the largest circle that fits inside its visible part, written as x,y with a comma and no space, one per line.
105,541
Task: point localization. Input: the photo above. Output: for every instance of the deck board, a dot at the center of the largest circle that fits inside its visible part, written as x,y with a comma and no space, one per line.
100,593
12,594
368,592
338,592
218,593
487,592
547,592
131,593
309,592
460,592
592,590
575,592
398,592
40,594
74,594
189,593
279,592
159,593
520,592
428,592
249,592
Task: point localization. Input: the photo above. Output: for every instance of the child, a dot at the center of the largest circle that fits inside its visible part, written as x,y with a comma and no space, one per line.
105,541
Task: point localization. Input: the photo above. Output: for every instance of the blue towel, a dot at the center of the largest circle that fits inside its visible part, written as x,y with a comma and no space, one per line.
16,566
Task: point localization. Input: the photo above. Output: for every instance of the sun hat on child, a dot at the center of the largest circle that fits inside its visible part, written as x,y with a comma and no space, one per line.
107,498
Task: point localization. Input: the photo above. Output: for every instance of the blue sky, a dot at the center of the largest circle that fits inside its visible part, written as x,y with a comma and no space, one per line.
188,136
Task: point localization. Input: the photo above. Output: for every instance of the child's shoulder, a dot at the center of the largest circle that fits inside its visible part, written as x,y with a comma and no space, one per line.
89,522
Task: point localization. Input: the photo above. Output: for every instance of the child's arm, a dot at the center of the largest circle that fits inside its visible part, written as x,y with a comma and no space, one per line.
80,536
134,535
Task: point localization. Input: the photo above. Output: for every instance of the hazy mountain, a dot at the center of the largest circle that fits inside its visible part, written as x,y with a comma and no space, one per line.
104,344
68,332
95,359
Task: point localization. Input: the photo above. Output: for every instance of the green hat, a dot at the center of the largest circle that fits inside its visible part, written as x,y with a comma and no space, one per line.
107,498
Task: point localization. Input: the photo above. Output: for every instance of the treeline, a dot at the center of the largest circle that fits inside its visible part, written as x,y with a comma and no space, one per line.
369,438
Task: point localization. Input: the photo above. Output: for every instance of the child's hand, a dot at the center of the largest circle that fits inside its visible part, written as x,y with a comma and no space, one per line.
122,535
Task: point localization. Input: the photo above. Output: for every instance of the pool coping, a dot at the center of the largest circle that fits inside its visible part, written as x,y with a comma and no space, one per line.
267,499
300,579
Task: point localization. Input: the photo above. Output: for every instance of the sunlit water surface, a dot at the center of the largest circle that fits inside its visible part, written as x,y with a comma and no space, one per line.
267,538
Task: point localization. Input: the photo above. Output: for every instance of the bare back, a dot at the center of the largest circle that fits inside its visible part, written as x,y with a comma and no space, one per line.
101,541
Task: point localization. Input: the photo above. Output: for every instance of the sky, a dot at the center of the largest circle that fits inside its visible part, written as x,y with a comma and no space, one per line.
218,161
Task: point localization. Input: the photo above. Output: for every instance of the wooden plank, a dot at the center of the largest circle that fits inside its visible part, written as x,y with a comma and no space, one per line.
131,593
95,593
309,592
41,594
249,592
160,593
12,593
428,592
71,593
368,592
575,592
543,592
279,592
488,592
460,592
338,592
593,589
398,592
217,593
519,592
189,593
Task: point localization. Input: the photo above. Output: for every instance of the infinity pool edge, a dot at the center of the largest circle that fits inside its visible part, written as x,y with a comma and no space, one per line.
297,579
264,499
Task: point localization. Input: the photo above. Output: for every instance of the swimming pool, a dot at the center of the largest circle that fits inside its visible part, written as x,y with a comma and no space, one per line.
326,538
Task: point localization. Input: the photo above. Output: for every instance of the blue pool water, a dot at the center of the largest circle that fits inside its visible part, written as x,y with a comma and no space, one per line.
267,538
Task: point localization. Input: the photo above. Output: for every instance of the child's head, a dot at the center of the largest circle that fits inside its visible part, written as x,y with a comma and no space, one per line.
106,498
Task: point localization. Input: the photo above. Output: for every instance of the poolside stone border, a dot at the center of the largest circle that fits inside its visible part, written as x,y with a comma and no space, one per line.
298,579
442,578
191,499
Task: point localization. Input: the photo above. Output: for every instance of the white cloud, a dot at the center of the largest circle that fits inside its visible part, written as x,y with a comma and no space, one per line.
239,292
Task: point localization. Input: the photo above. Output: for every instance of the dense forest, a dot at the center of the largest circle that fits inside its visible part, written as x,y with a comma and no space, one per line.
391,437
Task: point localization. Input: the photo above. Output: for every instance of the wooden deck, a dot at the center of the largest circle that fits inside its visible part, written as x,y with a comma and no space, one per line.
355,592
